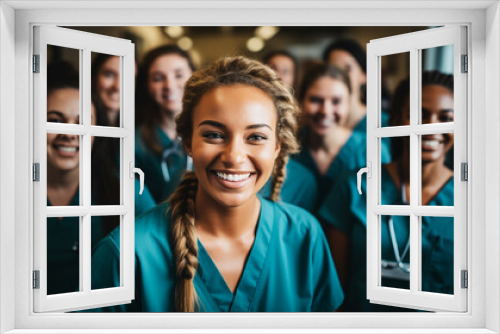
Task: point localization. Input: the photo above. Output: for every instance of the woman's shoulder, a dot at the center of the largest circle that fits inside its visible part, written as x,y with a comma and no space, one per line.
291,219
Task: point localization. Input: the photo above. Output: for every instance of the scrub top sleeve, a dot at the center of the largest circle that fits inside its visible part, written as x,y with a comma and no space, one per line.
328,294
335,210
106,270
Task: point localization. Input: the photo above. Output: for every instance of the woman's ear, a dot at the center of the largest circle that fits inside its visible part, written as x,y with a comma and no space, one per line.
188,148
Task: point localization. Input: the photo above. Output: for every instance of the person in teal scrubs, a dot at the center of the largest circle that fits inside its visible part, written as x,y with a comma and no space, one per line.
63,178
217,246
329,147
106,151
159,87
344,210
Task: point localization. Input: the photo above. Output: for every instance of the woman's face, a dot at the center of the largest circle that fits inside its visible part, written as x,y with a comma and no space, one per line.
63,151
108,83
348,63
166,78
326,105
234,143
284,68
437,107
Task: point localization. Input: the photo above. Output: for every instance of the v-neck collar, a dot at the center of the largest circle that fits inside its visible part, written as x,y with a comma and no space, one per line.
209,278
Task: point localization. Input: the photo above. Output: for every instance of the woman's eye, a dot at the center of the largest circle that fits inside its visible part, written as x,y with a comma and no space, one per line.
53,120
157,78
257,137
446,118
314,99
336,101
213,135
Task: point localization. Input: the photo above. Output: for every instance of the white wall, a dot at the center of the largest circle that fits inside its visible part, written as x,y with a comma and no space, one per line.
492,163
7,160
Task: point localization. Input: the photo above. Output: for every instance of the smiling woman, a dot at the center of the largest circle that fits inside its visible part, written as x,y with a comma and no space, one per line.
217,245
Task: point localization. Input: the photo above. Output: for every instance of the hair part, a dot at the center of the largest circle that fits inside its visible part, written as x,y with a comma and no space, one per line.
224,72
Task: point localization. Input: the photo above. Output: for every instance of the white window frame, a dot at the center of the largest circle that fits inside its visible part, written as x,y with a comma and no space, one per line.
483,21
85,43
414,43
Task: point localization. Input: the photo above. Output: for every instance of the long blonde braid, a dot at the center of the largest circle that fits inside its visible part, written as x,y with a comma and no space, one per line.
224,72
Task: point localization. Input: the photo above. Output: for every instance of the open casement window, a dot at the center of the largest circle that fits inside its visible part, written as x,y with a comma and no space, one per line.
420,248
72,143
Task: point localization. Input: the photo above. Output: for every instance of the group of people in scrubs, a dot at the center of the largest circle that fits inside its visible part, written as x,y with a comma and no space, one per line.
250,200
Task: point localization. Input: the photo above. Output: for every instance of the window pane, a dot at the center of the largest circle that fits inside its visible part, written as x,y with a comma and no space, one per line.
395,69
395,252
104,230
106,76
106,183
63,169
437,85
437,254
395,192
437,169
63,254
63,85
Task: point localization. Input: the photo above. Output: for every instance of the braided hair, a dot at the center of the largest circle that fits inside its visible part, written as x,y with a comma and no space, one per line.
224,72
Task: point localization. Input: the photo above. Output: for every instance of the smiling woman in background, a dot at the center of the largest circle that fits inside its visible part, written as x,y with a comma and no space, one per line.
344,210
159,88
63,180
329,148
217,246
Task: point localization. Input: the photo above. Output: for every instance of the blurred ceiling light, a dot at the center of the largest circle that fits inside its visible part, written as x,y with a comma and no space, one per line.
174,32
266,32
185,43
255,44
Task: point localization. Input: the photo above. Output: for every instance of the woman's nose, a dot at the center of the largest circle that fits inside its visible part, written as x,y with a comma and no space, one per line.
326,108
233,154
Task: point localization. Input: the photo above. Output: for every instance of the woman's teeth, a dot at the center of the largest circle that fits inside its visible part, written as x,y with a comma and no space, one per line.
233,177
432,143
68,149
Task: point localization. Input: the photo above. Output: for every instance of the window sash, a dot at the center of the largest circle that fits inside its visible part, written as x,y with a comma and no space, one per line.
413,43
85,43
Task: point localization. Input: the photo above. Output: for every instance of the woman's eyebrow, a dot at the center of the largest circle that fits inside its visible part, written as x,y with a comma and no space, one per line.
222,126
58,113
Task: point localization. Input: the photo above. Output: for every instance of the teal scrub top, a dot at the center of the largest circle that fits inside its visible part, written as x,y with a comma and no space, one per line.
386,141
289,268
63,254
150,163
300,187
352,156
63,243
345,209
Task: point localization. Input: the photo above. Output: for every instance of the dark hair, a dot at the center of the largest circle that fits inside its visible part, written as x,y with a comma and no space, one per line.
61,75
348,45
400,97
147,112
320,70
270,55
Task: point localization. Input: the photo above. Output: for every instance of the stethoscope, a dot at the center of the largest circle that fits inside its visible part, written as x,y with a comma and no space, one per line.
387,265
175,150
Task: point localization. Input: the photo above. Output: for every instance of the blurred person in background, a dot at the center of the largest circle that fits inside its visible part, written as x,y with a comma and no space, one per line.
159,88
329,147
350,56
284,64
344,210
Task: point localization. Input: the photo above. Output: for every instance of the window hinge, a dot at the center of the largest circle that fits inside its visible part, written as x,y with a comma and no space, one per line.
36,172
465,64
465,279
464,171
36,279
36,63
